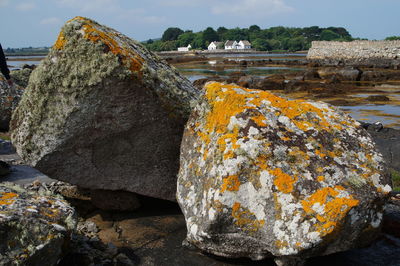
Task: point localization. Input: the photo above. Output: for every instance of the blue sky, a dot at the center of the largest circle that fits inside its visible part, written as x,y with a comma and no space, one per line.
37,22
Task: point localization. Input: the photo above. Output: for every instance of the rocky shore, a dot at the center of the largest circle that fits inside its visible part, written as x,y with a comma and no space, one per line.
119,136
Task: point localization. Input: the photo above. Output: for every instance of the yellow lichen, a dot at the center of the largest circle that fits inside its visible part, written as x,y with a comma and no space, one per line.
92,32
231,183
334,207
283,181
7,198
245,219
60,43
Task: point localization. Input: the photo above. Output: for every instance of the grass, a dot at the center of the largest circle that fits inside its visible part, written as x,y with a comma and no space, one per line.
396,180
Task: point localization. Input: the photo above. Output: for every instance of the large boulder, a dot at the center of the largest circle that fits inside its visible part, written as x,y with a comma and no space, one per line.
265,176
9,99
102,112
34,228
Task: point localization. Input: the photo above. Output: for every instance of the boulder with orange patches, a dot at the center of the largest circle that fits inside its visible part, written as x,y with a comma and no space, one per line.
282,175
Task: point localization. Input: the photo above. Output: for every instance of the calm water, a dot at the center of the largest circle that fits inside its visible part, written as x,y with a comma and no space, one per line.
16,62
387,113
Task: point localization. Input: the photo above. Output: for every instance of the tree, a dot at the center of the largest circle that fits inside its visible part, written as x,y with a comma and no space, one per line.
254,28
171,34
186,38
149,41
261,44
392,38
328,35
236,34
210,35
198,41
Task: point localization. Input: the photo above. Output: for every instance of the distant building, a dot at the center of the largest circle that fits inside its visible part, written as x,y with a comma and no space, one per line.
244,44
230,45
234,45
216,45
184,49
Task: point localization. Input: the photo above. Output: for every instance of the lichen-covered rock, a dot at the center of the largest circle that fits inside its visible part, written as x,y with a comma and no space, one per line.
102,112
9,99
265,176
34,228
21,76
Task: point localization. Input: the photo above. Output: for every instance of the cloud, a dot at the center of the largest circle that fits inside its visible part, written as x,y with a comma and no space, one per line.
51,21
25,6
4,2
251,7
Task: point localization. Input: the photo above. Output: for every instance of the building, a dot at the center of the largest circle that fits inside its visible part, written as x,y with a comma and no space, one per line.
216,45
234,45
184,49
230,45
244,44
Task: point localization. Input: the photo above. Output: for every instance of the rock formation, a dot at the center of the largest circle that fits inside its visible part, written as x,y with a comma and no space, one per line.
102,112
9,99
264,176
33,228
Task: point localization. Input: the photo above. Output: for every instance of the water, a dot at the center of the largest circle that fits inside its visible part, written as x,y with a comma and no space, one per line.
387,113
16,62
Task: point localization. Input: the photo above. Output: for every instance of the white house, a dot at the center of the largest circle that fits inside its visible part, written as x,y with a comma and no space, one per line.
230,45
215,46
244,44
184,49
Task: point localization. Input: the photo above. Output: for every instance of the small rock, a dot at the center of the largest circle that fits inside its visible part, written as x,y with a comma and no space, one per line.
34,228
9,99
378,98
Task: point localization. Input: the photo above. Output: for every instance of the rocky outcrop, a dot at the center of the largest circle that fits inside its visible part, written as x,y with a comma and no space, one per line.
34,228
263,176
102,112
9,99
356,53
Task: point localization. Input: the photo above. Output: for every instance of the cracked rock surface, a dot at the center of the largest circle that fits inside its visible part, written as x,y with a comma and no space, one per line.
264,176
102,112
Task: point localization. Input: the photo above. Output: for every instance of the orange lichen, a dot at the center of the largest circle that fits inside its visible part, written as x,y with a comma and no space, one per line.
334,208
91,32
60,43
283,181
246,219
7,198
320,178
231,183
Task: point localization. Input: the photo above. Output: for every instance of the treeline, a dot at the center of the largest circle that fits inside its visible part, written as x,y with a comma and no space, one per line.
271,39
27,51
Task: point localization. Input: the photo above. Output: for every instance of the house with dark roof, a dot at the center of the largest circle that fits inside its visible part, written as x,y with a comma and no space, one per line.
234,45
230,45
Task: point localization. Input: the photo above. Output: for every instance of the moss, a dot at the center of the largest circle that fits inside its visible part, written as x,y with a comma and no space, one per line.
395,180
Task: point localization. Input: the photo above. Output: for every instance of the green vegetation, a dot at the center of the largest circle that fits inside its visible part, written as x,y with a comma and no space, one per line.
275,38
396,180
392,38
27,51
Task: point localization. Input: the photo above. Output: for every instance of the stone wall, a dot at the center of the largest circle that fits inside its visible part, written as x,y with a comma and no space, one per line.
359,53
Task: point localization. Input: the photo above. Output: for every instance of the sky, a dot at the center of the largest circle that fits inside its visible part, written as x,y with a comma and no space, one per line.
36,23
